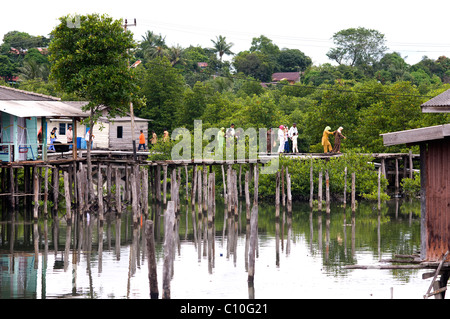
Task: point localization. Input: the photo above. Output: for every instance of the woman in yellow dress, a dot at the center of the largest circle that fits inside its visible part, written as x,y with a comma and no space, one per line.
325,142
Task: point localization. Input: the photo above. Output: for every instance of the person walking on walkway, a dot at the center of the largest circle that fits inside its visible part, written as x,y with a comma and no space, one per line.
141,141
325,142
337,140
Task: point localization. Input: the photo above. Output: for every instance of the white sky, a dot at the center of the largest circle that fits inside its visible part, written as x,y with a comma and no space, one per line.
413,28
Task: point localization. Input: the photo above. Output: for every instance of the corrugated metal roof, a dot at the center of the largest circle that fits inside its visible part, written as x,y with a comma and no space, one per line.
12,94
440,103
43,108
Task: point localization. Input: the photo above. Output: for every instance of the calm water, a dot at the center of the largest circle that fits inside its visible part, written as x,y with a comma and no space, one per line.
298,257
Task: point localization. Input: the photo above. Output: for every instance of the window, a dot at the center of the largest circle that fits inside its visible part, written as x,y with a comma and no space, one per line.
62,129
120,132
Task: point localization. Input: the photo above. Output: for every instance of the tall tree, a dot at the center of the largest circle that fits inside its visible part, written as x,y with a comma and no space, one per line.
357,47
222,47
91,60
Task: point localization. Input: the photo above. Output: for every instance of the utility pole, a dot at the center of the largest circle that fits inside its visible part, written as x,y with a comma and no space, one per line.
125,26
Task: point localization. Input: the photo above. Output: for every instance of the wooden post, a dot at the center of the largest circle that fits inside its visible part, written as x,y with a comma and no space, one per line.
67,197
327,191
100,194
247,196
277,196
319,195
36,188
194,185
253,241
224,184
410,165
205,187
158,184
169,221
151,253
240,183
311,185
345,187
353,192
288,191
46,192
396,177
164,184
55,181
134,198
145,191
256,184
118,198
379,189
283,196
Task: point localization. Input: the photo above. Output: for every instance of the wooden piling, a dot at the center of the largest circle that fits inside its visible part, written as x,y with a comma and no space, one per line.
36,187
164,184
151,256
345,187
118,197
247,196
277,196
319,194
327,191
353,192
67,198
311,185
100,194
379,189
288,192
145,191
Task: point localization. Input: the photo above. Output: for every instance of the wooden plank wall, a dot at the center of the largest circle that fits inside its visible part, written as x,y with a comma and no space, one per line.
125,143
438,198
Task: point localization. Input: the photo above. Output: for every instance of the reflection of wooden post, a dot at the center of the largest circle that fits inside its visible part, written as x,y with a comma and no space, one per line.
253,240
169,220
152,273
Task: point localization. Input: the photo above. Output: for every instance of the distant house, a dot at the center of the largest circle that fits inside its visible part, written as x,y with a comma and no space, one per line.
291,77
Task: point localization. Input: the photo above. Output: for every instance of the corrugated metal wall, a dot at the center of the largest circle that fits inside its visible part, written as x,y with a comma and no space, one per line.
438,198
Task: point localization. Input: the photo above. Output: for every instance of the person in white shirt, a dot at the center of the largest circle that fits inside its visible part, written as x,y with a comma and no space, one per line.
281,139
293,134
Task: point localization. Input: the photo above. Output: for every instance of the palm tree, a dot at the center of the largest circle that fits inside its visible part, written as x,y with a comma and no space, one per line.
175,55
153,45
222,47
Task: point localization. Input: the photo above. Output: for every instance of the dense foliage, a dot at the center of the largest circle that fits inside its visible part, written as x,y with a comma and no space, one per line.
374,94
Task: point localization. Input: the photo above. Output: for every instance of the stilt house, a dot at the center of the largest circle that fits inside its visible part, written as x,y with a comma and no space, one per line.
434,145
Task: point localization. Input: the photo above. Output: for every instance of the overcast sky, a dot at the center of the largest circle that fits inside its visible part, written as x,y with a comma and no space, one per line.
412,28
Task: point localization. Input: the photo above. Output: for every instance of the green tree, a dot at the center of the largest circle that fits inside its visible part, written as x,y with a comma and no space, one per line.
256,65
357,47
163,86
293,60
7,68
91,61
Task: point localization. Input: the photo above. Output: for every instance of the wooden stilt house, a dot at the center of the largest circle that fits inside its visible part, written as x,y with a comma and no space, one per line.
435,178
19,115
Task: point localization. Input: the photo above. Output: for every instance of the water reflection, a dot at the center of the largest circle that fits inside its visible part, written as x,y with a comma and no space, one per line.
89,259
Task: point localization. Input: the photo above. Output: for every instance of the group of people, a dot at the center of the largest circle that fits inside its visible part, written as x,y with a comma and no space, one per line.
286,136
338,137
69,137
